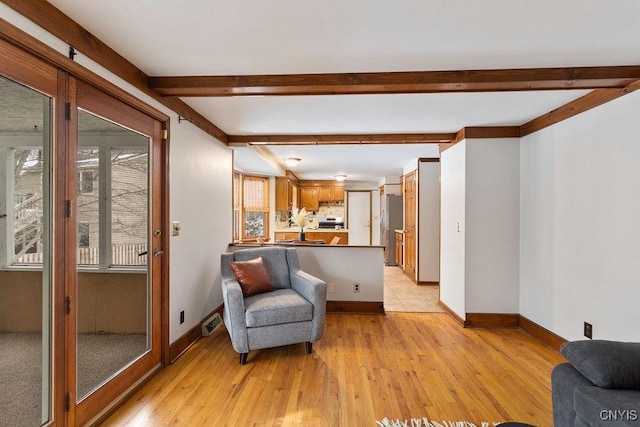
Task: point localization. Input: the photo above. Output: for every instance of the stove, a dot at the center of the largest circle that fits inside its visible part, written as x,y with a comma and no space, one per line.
331,222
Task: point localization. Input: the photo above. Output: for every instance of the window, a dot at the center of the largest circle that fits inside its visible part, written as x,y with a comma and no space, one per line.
85,182
255,207
28,213
113,197
83,234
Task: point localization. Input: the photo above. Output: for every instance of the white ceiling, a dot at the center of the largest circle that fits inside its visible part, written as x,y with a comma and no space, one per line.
233,37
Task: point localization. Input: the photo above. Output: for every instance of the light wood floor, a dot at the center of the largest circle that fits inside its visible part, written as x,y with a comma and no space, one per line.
402,294
365,368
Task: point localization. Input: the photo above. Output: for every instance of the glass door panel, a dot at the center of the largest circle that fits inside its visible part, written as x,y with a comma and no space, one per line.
112,174
25,274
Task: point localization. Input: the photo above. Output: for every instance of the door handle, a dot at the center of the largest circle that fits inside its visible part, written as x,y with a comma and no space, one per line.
158,252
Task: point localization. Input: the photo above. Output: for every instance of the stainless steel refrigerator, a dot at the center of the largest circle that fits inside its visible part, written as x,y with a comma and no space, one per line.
391,219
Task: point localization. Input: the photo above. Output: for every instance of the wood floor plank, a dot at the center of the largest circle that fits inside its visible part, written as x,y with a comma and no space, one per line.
365,368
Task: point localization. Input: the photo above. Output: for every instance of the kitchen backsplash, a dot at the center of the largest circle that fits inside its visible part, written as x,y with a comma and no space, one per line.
330,210
325,209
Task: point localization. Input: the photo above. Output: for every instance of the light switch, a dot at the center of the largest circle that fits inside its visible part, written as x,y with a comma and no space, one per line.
175,228
459,226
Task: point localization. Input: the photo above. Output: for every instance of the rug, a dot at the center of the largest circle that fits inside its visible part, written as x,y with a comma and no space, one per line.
424,422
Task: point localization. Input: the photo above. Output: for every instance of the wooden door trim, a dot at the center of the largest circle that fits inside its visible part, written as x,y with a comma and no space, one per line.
413,250
422,160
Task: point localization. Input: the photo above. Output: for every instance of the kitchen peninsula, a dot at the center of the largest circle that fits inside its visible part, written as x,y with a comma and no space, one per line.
342,267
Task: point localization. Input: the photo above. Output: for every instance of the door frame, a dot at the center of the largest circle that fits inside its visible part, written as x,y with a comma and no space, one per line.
411,213
85,96
26,58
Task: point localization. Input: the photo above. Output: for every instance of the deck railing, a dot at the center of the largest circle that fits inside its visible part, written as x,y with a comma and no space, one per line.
121,255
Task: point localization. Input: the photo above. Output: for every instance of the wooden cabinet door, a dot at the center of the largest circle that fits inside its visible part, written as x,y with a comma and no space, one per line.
282,194
338,194
399,244
278,235
309,198
325,194
410,225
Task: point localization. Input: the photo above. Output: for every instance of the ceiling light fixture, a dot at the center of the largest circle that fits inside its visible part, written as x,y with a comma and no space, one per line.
340,177
291,161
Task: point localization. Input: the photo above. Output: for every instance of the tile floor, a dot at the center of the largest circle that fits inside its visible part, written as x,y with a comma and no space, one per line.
401,294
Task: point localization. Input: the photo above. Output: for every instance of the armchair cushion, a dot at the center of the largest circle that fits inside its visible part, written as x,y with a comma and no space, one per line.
274,308
607,364
252,276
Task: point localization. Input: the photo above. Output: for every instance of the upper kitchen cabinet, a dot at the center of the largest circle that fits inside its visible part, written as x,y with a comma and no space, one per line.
332,193
312,193
284,194
309,198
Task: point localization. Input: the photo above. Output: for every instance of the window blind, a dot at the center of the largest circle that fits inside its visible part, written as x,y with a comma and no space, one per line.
256,194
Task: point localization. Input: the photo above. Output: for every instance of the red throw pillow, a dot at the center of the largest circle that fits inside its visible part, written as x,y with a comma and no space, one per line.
252,276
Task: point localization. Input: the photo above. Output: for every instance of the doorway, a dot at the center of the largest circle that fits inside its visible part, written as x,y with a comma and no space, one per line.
119,250
359,217
83,209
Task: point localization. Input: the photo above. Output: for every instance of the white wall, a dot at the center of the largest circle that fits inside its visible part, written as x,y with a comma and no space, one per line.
201,183
343,266
200,191
580,223
492,225
452,211
479,226
429,221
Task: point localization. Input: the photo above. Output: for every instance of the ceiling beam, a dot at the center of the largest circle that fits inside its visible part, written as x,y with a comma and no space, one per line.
575,107
487,132
400,82
411,138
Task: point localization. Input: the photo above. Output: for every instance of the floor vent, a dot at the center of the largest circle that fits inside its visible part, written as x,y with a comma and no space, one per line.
211,324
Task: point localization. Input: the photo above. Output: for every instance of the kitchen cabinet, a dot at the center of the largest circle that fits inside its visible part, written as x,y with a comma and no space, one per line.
309,198
331,193
326,236
284,194
399,243
286,235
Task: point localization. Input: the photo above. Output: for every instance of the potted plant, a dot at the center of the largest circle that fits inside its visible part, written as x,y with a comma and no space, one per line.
300,218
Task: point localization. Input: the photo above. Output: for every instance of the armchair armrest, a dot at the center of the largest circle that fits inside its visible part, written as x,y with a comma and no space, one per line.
234,314
315,291
310,287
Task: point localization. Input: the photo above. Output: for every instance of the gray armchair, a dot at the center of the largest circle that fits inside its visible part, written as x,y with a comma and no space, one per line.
292,313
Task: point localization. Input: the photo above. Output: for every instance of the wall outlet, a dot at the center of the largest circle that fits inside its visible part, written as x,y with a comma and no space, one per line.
182,317
588,330
331,288
356,287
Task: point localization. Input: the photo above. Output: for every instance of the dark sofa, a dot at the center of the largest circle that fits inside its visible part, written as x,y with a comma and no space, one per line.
599,386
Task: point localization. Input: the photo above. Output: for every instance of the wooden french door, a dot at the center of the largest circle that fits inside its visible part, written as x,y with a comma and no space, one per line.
115,218
410,225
